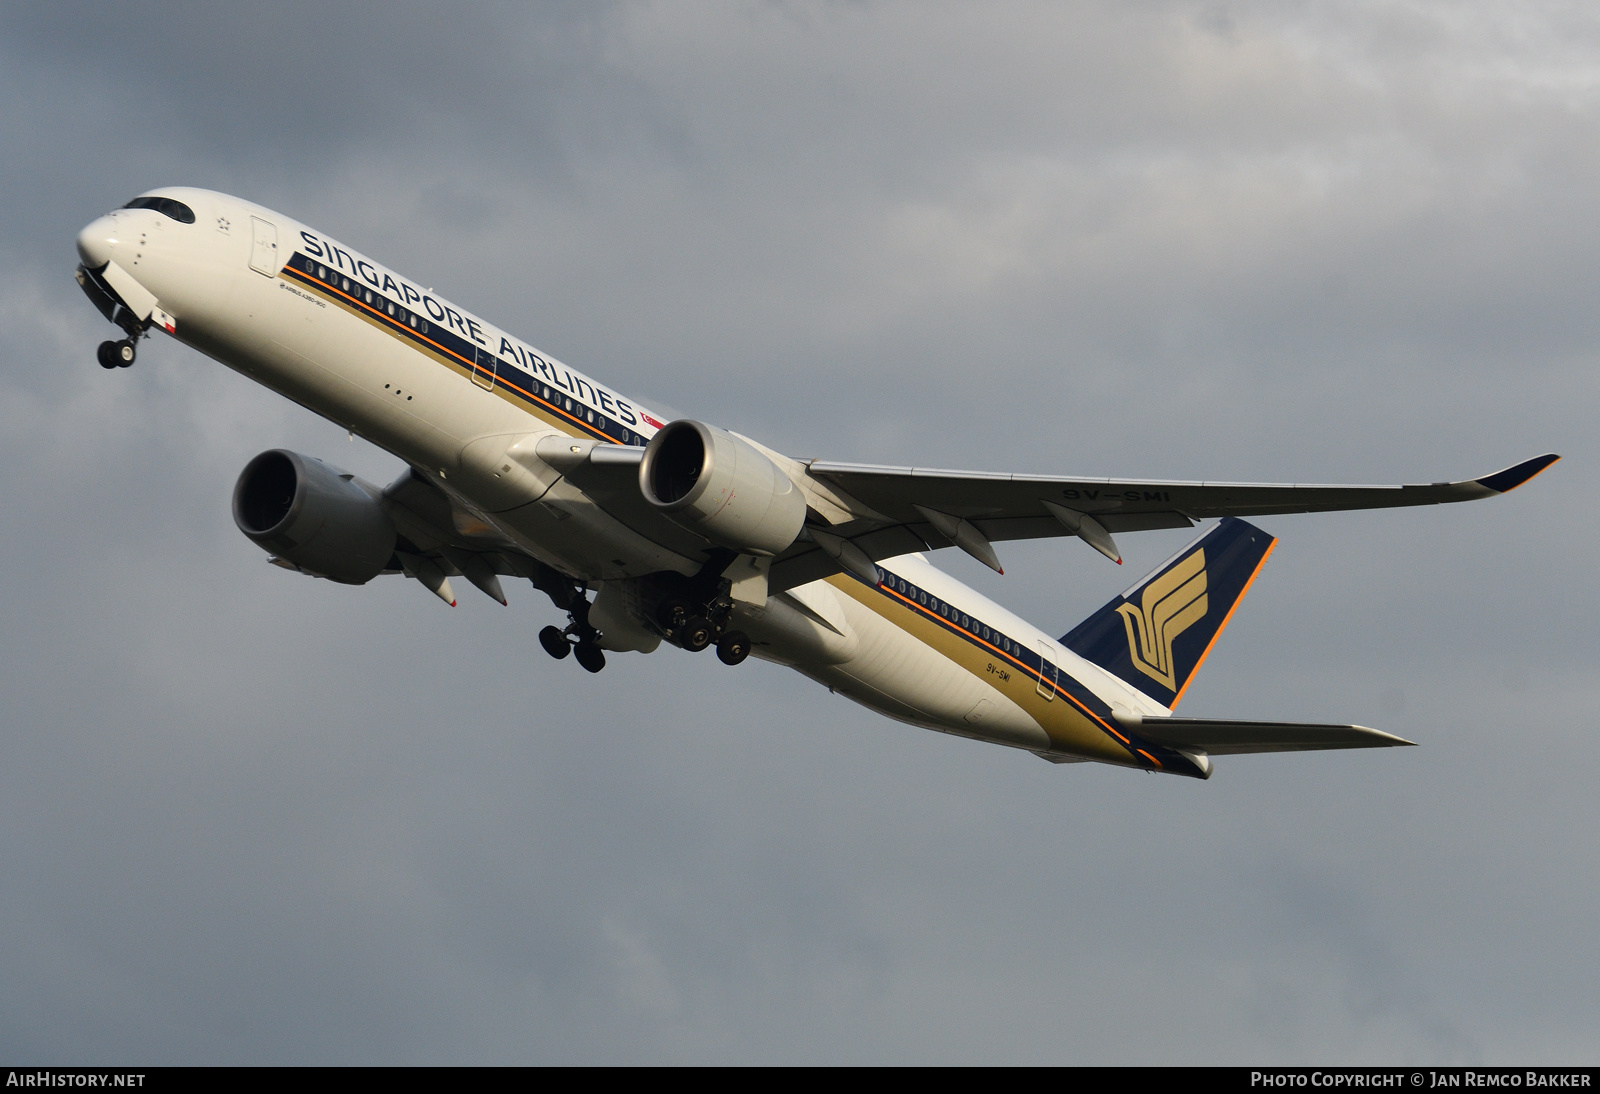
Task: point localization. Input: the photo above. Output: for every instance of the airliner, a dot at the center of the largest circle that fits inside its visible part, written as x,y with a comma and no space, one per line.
647,532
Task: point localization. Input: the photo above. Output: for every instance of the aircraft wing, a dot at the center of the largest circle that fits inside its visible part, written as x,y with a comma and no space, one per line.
898,510
1218,737
882,512
1129,504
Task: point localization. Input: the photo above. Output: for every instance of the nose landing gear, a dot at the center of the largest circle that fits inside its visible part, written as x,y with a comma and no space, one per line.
116,354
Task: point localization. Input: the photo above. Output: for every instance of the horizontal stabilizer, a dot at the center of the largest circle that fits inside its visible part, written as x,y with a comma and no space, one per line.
1222,737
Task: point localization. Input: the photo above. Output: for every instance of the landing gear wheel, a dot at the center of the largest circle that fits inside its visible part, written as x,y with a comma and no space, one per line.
555,643
108,354
591,656
696,634
672,614
733,647
125,352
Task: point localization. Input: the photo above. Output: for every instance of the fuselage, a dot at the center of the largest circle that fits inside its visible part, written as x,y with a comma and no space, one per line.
466,404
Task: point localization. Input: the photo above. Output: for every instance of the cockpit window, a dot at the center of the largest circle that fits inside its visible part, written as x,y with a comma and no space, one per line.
177,210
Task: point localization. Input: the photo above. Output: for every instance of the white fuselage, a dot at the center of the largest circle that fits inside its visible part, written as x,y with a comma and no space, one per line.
467,403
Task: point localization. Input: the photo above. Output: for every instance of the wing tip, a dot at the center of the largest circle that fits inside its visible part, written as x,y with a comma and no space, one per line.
1378,738
1503,482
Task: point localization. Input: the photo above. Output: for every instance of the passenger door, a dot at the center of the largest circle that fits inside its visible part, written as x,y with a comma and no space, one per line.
483,367
1047,672
264,247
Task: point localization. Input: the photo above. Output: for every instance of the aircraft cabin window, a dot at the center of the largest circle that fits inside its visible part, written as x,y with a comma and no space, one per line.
177,210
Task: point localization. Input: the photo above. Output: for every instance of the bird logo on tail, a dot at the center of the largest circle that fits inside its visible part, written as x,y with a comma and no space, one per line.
1169,605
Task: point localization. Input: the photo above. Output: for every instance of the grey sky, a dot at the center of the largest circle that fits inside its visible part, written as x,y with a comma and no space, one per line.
250,818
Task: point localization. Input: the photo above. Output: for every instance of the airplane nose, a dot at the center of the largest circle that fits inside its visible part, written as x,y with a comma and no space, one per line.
97,241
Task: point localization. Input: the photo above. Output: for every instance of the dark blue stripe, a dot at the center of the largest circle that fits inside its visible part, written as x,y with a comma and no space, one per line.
429,335
1029,661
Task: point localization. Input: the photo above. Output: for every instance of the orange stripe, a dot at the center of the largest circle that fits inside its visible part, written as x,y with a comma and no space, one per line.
1220,626
1054,684
1059,690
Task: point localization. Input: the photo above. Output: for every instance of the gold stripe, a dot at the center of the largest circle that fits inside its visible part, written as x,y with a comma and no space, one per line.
1068,726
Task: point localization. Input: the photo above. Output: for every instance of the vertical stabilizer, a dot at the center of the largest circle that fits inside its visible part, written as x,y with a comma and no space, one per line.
1156,634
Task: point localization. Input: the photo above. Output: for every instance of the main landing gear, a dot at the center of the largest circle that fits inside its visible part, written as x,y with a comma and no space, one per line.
557,644
116,354
693,613
697,613
579,638
733,647
695,628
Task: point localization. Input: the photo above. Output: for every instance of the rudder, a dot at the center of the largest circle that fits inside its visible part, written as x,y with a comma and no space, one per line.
1156,635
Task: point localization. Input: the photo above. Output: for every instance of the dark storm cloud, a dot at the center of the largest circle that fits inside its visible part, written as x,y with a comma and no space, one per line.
247,817
290,85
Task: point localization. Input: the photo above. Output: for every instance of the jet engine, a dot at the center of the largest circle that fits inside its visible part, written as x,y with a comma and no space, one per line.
315,516
722,487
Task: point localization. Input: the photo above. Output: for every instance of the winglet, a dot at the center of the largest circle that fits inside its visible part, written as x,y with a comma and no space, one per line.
1502,482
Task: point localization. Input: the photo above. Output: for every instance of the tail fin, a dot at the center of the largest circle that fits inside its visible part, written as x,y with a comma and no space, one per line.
1156,634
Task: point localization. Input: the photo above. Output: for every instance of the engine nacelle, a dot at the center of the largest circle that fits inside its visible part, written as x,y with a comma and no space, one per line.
724,488
313,515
